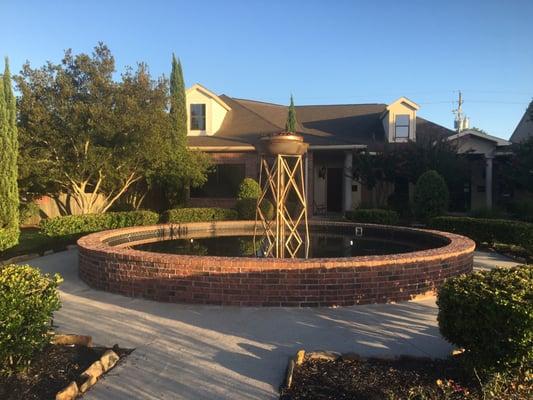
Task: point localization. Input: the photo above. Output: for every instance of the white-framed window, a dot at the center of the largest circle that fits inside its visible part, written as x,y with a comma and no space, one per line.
197,117
401,126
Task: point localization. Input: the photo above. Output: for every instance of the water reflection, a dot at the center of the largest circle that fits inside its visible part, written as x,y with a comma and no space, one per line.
323,245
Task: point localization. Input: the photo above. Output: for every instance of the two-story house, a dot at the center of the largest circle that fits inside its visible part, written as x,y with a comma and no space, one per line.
227,128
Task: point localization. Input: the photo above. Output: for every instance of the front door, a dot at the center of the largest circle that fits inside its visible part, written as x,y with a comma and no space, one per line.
334,190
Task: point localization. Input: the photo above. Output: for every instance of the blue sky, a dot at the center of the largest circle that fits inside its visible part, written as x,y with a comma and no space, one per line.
321,51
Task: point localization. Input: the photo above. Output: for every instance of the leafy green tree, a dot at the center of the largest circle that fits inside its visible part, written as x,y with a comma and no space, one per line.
9,200
290,125
410,160
519,168
93,138
183,168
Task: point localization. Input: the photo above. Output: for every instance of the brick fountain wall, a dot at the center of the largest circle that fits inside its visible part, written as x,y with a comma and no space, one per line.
265,281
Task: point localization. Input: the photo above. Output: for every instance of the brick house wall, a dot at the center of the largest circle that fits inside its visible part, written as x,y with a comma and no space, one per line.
251,170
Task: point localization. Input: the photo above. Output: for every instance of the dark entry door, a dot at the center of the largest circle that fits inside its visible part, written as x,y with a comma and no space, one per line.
334,189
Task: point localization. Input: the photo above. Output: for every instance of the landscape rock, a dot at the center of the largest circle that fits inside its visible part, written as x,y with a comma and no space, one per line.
300,357
109,359
69,393
95,370
89,381
68,339
323,355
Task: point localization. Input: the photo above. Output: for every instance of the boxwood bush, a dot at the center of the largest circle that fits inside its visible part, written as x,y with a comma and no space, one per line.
9,237
246,208
28,300
77,224
490,315
180,215
488,230
249,189
373,216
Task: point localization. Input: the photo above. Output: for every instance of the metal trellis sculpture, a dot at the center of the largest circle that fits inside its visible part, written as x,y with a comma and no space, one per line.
282,184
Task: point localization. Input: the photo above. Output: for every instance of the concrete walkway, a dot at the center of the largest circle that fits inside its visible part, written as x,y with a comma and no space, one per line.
208,352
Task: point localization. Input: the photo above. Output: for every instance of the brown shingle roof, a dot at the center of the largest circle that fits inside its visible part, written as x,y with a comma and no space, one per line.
319,124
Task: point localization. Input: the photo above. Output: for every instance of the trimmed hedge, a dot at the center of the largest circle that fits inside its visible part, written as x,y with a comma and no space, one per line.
9,237
373,216
28,300
488,230
76,224
490,315
180,215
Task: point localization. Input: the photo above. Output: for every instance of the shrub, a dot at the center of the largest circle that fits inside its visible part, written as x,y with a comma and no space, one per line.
246,208
490,315
522,210
76,224
373,216
27,211
431,196
488,230
27,302
249,189
180,215
487,213
9,237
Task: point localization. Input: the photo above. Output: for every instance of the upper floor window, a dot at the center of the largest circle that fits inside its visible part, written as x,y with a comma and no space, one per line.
197,117
401,130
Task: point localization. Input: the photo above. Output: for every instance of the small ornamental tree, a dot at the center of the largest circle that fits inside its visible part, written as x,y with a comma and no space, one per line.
290,125
431,195
9,198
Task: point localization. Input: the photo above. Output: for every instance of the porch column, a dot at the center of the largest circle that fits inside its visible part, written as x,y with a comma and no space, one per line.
488,181
347,181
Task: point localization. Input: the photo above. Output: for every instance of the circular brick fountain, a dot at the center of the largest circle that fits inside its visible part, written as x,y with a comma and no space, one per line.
108,262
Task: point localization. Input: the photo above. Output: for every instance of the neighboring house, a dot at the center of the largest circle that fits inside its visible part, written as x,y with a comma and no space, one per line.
227,128
524,129
485,154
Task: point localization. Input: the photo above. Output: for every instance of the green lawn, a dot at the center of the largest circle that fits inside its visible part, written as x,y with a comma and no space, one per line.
32,241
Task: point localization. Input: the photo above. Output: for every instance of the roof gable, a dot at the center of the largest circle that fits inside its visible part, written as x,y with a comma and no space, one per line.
209,94
524,129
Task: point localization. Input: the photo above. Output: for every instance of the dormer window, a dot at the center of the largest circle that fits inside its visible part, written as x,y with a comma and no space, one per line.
401,126
197,117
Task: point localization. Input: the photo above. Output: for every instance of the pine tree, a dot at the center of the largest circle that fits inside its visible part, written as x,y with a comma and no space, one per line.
290,125
178,105
9,199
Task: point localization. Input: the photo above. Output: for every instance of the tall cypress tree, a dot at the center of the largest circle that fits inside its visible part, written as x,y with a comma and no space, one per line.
178,104
290,125
9,199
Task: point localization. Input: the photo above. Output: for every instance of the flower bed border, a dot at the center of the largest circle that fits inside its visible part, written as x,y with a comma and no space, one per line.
90,376
245,281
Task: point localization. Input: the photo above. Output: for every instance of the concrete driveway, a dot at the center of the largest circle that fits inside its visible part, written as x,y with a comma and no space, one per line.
209,352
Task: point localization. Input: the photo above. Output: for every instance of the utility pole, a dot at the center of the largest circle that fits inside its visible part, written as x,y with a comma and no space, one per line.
461,121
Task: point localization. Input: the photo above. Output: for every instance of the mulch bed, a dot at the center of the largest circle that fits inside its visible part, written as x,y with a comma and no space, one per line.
51,371
372,379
